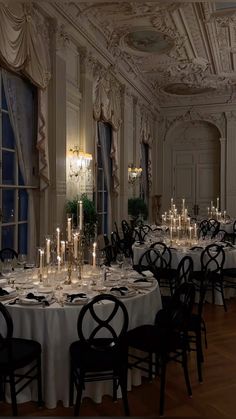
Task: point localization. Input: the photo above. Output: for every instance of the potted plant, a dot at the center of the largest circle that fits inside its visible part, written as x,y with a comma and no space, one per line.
137,208
89,214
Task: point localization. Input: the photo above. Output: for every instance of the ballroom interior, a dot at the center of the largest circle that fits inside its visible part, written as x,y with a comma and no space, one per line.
113,101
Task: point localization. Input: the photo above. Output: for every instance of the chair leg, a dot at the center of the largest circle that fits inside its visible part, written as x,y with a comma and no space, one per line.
2,390
39,380
123,386
71,386
223,295
213,292
13,394
199,355
162,385
186,375
114,390
203,327
78,398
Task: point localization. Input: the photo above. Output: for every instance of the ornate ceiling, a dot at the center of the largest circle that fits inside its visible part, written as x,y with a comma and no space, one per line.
173,47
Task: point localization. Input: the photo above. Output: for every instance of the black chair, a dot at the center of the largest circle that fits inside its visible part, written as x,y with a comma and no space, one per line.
8,253
151,260
213,227
95,357
203,229
232,236
167,274
165,340
212,260
16,354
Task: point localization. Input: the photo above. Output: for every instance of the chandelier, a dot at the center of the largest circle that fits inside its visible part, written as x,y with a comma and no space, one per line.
134,173
79,163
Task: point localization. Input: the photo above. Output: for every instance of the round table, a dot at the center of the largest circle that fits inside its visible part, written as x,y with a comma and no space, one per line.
55,327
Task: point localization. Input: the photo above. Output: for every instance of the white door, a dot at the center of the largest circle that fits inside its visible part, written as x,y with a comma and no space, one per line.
196,177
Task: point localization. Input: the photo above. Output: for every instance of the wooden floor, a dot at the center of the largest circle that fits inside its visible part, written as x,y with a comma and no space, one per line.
215,398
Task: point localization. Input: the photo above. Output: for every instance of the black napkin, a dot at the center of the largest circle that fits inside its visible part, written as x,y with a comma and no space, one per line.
121,290
39,298
71,297
3,292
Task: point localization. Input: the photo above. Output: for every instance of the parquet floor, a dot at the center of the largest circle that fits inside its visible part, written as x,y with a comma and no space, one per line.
215,398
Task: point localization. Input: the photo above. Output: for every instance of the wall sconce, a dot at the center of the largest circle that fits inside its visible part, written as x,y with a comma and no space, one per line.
79,163
134,173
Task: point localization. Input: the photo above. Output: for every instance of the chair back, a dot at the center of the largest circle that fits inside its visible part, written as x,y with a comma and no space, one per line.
213,227
213,258
164,251
184,270
8,253
100,329
203,228
6,326
151,260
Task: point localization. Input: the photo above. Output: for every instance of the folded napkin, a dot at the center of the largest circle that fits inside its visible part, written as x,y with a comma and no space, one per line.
147,274
39,298
120,290
72,298
6,291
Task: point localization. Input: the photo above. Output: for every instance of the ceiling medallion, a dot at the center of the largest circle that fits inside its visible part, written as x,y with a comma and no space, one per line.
148,41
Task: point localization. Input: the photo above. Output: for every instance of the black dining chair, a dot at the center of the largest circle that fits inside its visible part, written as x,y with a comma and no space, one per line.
167,274
101,351
17,354
213,227
164,341
151,260
8,253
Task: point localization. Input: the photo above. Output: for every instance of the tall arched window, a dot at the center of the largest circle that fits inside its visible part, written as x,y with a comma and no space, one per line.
19,162
104,176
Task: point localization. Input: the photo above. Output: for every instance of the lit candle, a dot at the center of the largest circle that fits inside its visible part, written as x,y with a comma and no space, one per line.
188,221
94,254
69,229
218,203
48,245
211,205
224,215
179,221
183,204
171,233
63,251
190,233
75,246
208,211
58,264
174,224
81,215
58,242
195,230
171,203
178,232
41,253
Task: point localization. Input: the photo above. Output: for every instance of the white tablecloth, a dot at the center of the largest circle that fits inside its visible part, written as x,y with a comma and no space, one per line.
55,327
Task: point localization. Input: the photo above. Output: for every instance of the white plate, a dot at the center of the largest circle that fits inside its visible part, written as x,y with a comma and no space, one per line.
141,284
81,301
8,296
45,290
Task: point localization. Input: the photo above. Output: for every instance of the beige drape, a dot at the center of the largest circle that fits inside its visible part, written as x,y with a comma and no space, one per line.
146,138
23,49
107,108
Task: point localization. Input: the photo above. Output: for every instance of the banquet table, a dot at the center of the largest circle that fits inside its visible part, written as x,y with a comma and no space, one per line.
55,327
179,252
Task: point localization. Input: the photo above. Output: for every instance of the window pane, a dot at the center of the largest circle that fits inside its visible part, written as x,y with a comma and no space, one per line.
8,168
100,202
100,180
7,132
22,238
20,178
8,206
23,205
4,102
8,236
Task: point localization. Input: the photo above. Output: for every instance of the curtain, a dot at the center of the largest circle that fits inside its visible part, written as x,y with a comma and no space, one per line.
21,109
23,49
146,151
104,137
107,108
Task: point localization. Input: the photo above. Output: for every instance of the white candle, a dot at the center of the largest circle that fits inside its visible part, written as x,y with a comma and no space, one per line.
171,233
69,229
58,242
224,215
48,245
81,215
179,221
190,233
183,204
94,254
178,232
174,224
58,264
218,203
41,253
188,221
171,203
75,246
211,205
195,230
63,251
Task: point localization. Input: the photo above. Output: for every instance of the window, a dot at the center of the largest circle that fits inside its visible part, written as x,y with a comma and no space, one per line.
14,193
104,174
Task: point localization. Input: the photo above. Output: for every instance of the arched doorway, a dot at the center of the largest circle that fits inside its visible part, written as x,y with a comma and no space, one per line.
192,165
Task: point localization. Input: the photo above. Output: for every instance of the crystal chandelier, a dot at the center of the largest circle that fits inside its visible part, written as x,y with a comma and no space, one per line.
79,163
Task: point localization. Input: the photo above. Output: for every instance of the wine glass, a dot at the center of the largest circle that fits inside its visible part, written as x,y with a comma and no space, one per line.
120,259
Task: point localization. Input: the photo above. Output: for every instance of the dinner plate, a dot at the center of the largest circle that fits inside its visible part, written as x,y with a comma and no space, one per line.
141,284
128,294
80,301
29,302
8,296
